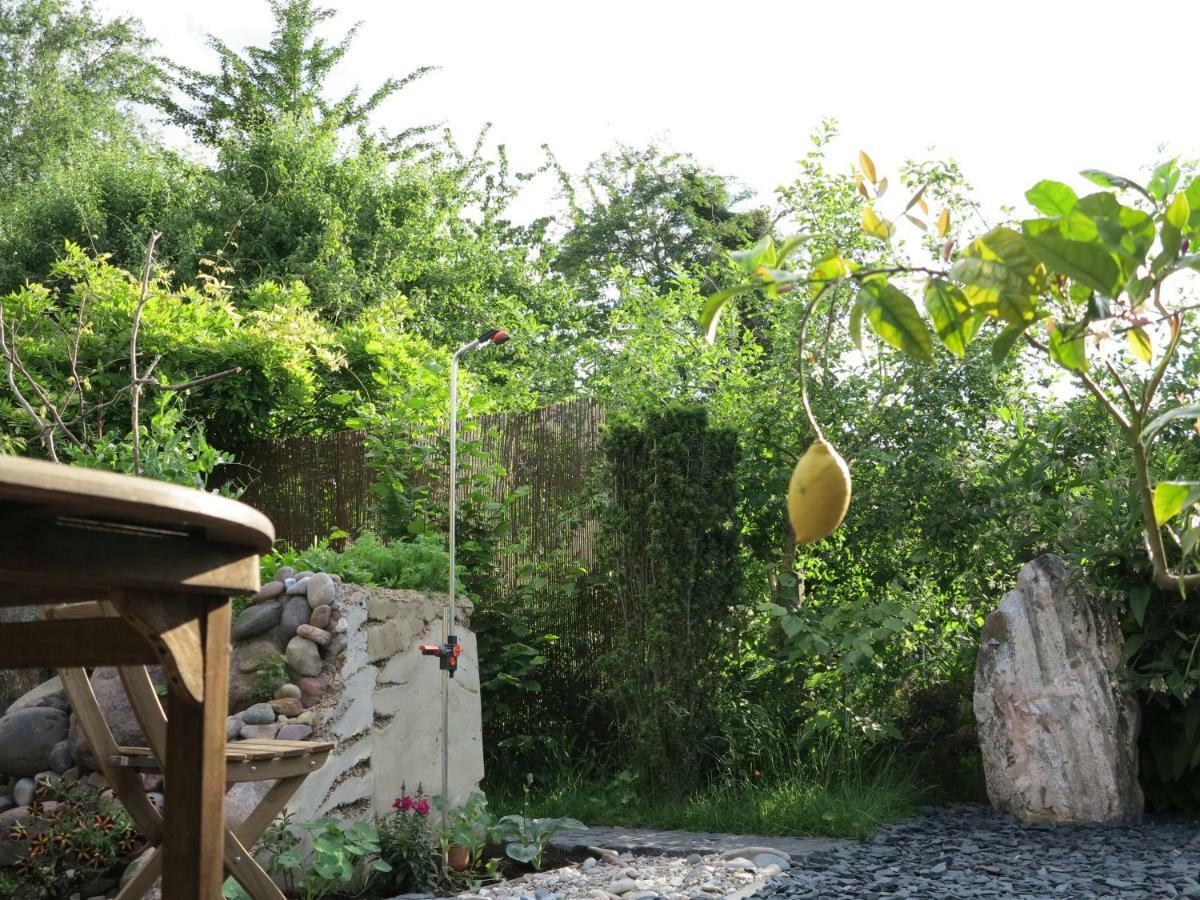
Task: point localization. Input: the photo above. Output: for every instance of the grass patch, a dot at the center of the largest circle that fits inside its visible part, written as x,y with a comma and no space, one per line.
802,802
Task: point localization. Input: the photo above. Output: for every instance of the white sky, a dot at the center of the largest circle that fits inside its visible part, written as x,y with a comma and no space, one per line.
1016,91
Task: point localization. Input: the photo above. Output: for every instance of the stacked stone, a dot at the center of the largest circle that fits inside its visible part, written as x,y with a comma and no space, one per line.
302,615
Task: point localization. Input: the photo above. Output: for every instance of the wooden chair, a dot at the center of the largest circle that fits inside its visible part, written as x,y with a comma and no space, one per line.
287,763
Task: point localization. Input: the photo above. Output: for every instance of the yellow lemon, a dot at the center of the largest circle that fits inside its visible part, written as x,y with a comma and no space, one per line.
819,493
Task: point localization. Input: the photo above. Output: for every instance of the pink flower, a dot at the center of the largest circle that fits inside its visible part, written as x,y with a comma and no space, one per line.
404,803
422,806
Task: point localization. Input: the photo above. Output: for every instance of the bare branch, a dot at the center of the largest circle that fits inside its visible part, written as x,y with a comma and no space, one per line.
135,376
47,433
195,382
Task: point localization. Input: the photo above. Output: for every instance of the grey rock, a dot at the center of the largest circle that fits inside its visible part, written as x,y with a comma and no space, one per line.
299,588
283,573
6,803
286,691
296,612
303,656
233,728
268,592
51,688
762,860
60,757
321,617
254,620
259,714
27,737
341,626
318,636
1057,728
338,645
307,573
294,732
260,732
23,791
322,590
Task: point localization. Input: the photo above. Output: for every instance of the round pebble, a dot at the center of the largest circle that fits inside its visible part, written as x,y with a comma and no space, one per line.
971,851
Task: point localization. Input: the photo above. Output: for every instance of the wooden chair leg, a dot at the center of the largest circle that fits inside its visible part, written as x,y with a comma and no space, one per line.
149,873
241,864
268,808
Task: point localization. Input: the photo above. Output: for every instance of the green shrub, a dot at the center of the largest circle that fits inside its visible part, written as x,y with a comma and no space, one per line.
421,564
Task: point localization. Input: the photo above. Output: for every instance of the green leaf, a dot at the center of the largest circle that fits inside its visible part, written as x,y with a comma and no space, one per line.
713,306
1170,497
875,225
1052,198
894,318
1178,212
1068,347
791,625
790,246
998,276
761,254
1171,415
341,398
1080,260
1138,598
1163,180
1003,344
1107,179
375,348
1139,343
953,321
856,317
522,852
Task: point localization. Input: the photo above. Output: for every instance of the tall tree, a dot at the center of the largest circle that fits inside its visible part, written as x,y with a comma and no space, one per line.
650,213
287,78
67,77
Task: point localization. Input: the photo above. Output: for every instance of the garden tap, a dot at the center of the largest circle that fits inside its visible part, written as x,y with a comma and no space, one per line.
446,653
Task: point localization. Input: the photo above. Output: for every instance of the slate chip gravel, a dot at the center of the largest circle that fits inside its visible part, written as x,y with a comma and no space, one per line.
970,851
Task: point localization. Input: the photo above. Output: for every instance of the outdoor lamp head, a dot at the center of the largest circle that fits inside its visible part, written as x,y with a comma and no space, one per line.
494,336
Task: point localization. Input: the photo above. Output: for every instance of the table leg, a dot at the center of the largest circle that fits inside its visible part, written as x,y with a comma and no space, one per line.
194,821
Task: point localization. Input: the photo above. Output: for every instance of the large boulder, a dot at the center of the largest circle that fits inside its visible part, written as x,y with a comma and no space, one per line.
51,690
1057,729
245,684
28,737
114,705
254,620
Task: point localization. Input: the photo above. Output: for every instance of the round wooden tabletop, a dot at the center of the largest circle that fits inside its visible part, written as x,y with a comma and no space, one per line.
55,489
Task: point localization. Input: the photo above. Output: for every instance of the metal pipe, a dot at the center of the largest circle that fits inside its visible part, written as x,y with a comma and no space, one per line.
495,336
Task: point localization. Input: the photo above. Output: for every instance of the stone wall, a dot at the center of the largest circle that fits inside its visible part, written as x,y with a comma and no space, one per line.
384,709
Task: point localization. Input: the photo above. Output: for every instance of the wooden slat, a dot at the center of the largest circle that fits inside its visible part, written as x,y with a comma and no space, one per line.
69,490
63,556
81,642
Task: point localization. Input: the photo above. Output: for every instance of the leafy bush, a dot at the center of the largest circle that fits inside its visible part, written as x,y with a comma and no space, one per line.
422,563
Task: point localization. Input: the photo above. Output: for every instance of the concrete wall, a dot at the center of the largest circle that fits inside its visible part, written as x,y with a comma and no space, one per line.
384,709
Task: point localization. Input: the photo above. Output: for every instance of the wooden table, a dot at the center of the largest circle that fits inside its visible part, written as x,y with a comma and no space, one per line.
168,558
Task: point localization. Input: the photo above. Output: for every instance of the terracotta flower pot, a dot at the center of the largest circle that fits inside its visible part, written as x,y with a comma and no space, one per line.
458,857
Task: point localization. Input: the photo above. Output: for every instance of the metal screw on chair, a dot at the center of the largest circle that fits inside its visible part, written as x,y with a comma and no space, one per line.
237,859
254,768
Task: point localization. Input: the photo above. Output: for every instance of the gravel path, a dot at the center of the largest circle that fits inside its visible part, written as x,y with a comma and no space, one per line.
972,852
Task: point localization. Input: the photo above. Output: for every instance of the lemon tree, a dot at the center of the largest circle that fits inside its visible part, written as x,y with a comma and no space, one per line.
1099,285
